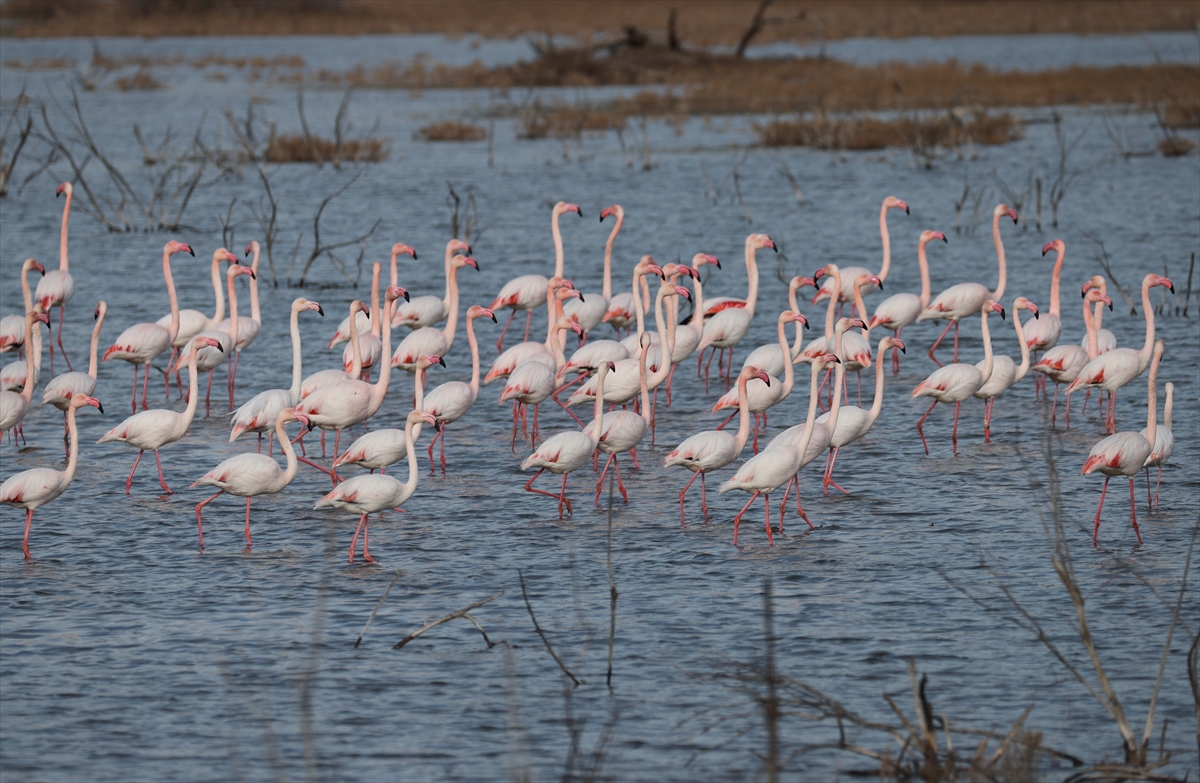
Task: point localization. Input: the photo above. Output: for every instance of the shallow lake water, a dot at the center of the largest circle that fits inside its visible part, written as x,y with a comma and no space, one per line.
126,654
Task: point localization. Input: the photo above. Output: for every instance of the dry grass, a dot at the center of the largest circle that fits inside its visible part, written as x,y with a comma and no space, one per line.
562,120
1175,146
142,79
452,130
300,149
1181,115
700,22
870,133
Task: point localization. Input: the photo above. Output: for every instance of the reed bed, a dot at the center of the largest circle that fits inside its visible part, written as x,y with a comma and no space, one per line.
288,148
871,133
452,130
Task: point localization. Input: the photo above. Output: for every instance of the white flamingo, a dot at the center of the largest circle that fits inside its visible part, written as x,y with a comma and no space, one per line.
427,310
12,377
1062,363
846,292
728,320
325,377
62,388
1005,372
209,360
593,309
1042,334
56,287
766,357
900,310
1105,340
193,322
1164,446
370,344
429,340
14,405
533,381
450,401
624,430
248,328
516,355
12,327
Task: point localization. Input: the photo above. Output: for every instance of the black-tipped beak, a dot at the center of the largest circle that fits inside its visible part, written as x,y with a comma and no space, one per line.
100,407
494,319
1084,293
415,255
96,316
601,217
906,209
320,311
441,361
581,296
580,213
219,348
903,351
406,296
1044,252
193,252
1110,305
880,285
717,264
310,426
252,275
1036,316
1171,288
1003,315
947,241
477,266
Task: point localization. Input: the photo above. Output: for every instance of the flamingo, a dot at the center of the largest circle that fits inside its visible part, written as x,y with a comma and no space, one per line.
426,310
620,306
771,469
150,430
707,451
766,357
1125,453
259,413
594,308
1005,372
728,319
370,346
853,421
429,340
856,352
14,405
624,430
12,377
209,360
362,323
142,343
526,292
1105,340
1110,371
193,322
689,333
556,290
60,390
1042,334
379,448
764,395
1164,445
900,310
965,299
533,380
450,402
56,287
956,382
325,377
34,488
1062,363
632,341
372,493
12,327
248,328
346,403
568,451
846,292
250,475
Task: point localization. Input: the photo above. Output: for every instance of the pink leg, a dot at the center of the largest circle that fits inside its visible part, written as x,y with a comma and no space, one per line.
756,433
670,377
1157,486
529,488
722,425
61,310
145,386
200,520
620,484
703,497
337,440
920,431
956,342
248,543
25,541
514,437
708,366
354,541
367,540
437,431
1054,408
562,499
938,342
954,434
1068,409
1149,497
534,433
1096,526
571,413
135,380
442,448
767,510
829,482
1133,511
683,492
896,354
528,323
129,481
504,331
207,393
738,519
259,449
633,456
162,481
600,482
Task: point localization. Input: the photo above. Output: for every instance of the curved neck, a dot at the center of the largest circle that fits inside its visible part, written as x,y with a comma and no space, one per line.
37,348
1054,282
999,292
294,325
1093,348
862,308
63,262
551,318
95,344
1152,402
666,342
639,311
798,341
26,292
289,454
877,403
233,314
923,262
645,390
831,310
355,350
789,376
1024,366
1167,405
418,397
887,244
987,347
752,279
410,486
73,458
558,245
608,246
173,330
255,309
474,357
380,387
806,436
1148,309
452,304
697,319
837,395
743,433
598,407
185,420
218,293
33,354
376,316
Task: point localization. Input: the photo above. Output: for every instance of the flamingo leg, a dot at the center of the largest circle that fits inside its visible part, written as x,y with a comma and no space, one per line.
738,519
896,354
703,496
756,433
1054,409
600,482
129,481
1157,486
354,541
514,437
337,439
533,435
528,323
670,377
711,353
767,510
530,488
437,432
207,392
1149,498
633,456
233,363
921,431
938,342
146,386
367,540
1096,524
307,461
504,331
722,425
135,380
829,482
569,411
954,433
259,449
1068,409
25,541
200,520
562,499
1133,511
683,492
821,389
620,484
442,447
248,543
956,342
162,481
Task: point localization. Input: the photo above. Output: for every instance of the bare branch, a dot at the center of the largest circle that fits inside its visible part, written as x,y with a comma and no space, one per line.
542,634
463,613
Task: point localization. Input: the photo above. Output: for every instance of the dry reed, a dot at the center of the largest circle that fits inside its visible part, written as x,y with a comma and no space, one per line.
451,130
289,148
870,133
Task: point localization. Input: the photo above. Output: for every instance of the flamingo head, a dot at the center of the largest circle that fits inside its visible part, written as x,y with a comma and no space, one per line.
101,309
236,269
701,259
252,248
561,282
796,283
173,247
690,271
32,264
221,254
611,366
888,343
79,400
207,342
459,261
395,292
929,236
994,307
574,325
826,359
36,315
1095,295
291,414
1004,210
891,202
1054,244
862,280
794,317
615,209
1021,303
828,269
402,249
761,240
754,372
475,311
562,207
567,292
356,307
1160,280
454,246
683,292
64,187
432,360
305,304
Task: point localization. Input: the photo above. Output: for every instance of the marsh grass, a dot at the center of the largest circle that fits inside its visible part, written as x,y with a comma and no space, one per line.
871,133
451,130
292,148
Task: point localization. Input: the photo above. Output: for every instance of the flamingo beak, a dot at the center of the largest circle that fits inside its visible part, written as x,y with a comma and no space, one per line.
96,314
93,401
189,249
59,190
899,345
249,249
320,311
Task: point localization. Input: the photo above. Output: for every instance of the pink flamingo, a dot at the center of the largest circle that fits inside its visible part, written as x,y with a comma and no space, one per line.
326,377
259,413
620,306
372,493
855,354
533,381
964,300
771,469
624,430
31,489
689,333
1043,333
56,287
14,405
193,322
527,291
1164,445
593,310
766,357
142,343
208,360
516,355
12,377
846,293
379,448
707,451
1125,453
1005,372
450,401
567,451
900,310
250,475
728,320
62,388
957,382
1062,363
248,328
427,310
1105,340
152,429
370,346
644,267
1112,370
429,340
12,327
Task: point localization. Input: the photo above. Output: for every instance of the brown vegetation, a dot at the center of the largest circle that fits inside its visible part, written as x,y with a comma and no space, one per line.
451,130
699,22
142,79
870,133
290,148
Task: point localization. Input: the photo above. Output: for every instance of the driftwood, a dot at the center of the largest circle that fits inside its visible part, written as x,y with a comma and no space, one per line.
463,613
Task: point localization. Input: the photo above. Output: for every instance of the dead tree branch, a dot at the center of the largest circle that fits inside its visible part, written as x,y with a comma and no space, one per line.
542,634
463,613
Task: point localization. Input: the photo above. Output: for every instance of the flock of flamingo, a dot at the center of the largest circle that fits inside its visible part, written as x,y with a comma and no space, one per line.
621,372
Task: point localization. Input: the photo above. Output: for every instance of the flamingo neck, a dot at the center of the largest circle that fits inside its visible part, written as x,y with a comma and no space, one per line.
64,263
73,459
1000,284
1024,366
410,435
418,398
1152,401
558,245
789,375
645,385
1148,348
1167,405
294,326
37,350
255,309
798,342
1054,282
831,309
877,403
452,305
95,344
380,387
375,314
551,318
743,433
608,248
395,273
697,319
233,313
559,338
185,419
218,294
637,302
752,280
33,353
836,405
887,245
355,350
923,262
809,423
289,454
666,341
1089,322
26,292
474,358
862,309
598,407
987,347
173,330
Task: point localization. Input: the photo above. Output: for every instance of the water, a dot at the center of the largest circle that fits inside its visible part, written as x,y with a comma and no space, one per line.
128,655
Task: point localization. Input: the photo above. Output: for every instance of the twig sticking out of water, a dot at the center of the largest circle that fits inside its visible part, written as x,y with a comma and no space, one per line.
1103,260
463,613
542,634
382,598
1187,299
